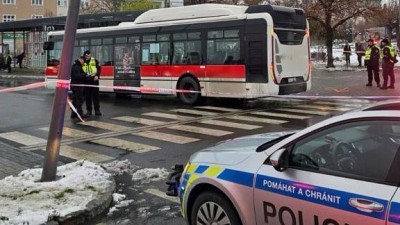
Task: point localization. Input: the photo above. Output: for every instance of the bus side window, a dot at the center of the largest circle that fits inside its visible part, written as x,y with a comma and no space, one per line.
194,58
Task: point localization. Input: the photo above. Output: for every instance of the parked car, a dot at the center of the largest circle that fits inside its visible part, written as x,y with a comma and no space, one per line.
342,171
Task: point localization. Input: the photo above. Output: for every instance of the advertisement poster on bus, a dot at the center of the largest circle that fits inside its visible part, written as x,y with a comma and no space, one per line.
127,66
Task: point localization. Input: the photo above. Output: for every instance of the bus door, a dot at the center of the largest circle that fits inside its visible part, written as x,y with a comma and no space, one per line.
256,51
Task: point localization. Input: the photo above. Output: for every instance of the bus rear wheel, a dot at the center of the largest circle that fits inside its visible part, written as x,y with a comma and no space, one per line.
188,83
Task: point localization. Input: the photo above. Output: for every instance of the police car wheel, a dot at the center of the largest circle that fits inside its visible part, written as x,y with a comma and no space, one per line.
210,208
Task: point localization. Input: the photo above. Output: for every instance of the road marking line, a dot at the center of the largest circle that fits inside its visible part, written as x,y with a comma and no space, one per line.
78,153
166,137
218,108
105,126
110,142
200,130
256,119
322,108
21,138
338,103
283,99
70,132
132,119
168,116
125,145
303,111
194,112
284,115
230,124
160,194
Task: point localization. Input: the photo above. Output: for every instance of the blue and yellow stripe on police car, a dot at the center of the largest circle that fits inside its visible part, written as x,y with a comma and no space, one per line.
216,172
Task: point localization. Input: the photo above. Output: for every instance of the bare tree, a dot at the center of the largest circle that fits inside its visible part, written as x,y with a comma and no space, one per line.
101,6
386,16
331,14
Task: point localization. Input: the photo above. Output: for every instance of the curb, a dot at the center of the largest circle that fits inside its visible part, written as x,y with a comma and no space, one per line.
28,77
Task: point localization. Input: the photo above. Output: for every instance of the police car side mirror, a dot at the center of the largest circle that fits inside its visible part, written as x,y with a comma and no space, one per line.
280,159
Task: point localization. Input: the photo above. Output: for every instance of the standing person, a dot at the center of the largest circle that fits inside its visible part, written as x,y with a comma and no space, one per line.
347,53
92,68
388,61
372,56
360,53
2,64
78,76
8,62
20,57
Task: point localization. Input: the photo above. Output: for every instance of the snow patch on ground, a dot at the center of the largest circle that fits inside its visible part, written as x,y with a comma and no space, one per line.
148,175
118,168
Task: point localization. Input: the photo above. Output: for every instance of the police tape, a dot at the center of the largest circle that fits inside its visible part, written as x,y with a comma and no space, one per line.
74,110
147,90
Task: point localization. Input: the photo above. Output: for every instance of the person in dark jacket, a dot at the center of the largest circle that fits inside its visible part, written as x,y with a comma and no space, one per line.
347,53
372,55
20,57
78,76
388,61
92,68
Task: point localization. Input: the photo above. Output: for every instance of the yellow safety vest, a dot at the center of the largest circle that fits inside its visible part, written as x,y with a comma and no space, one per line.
391,50
369,50
90,68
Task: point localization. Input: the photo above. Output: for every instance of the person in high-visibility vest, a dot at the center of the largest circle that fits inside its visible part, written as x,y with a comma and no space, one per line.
388,61
8,62
371,60
92,68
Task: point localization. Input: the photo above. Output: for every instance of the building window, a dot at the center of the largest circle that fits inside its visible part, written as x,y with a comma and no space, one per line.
37,16
37,2
8,18
62,2
85,4
9,2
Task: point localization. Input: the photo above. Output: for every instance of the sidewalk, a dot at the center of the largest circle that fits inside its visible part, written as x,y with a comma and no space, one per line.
23,73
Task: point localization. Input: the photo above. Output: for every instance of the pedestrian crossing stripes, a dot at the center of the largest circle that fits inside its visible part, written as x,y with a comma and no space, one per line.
194,112
166,137
22,138
69,132
352,105
168,116
322,108
256,119
303,111
78,153
218,108
231,124
143,121
125,145
200,130
105,126
288,116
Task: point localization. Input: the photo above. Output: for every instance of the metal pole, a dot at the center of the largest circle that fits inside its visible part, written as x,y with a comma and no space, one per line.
60,99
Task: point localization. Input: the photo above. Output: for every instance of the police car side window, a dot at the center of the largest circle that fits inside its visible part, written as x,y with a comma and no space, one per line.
363,150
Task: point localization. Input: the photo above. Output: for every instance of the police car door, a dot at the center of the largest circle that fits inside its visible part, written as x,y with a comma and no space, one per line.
335,176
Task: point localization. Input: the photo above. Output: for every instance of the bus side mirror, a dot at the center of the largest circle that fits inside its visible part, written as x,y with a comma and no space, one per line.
48,45
280,159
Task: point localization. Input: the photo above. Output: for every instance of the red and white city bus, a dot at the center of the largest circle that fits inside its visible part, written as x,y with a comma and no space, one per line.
214,50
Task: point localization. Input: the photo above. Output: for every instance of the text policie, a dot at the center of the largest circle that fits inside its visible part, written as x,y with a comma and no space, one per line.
270,211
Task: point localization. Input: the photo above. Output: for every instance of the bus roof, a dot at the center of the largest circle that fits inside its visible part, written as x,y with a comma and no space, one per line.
189,12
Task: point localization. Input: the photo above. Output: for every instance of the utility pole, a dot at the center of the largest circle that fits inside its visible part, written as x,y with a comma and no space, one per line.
61,94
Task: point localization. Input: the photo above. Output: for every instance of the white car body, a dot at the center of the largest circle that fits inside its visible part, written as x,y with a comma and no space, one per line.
261,194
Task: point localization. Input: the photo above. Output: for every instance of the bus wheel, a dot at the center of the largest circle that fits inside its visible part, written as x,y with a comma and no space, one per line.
212,208
188,83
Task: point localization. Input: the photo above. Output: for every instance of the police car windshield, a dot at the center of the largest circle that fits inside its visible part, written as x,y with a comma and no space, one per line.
272,142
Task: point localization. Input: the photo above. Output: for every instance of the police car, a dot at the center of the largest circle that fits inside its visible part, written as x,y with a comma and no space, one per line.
342,171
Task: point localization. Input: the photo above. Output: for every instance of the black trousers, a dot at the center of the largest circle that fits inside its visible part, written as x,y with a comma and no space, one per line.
373,69
388,73
92,97
8,67
359,59
77,99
